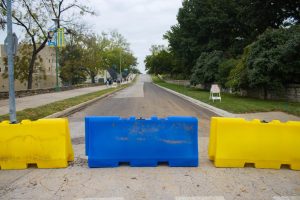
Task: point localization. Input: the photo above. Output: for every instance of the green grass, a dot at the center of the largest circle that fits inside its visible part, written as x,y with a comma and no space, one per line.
46,110
233,103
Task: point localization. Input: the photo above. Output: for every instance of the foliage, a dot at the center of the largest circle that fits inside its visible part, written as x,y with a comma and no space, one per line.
72,71
206,70
34,17
224,25
259,15
135,70
204,26
160,61
271,62
89,55
21,62
224,70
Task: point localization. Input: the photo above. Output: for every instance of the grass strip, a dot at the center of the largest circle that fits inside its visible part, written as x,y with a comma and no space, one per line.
233,103
48,109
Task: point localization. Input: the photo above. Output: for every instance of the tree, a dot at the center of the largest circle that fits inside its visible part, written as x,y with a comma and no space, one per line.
22,60
90,54
206,70
91,58
161,60
271,62
259,15
224,25
118,53
135,70
205,26
72,71
34,16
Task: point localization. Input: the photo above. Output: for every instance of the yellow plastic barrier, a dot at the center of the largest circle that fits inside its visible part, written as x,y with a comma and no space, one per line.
235,142
44,142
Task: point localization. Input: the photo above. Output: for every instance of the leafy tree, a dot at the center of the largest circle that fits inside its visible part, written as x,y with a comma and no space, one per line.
135,70
91,56
34,16
22,60
88,55
224,25
72,71
259,15
205,26
118,52
271,62
206,70
161,60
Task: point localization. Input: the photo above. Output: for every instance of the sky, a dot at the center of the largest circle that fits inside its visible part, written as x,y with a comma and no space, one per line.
141,22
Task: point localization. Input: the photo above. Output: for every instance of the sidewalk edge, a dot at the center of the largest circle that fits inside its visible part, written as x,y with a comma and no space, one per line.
213,109
80,106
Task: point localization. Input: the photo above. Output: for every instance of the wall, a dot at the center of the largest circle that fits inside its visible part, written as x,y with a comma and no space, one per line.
291,93
39,80
179,82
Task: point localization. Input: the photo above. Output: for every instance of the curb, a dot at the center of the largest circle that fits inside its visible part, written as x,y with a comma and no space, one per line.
213,109
80,106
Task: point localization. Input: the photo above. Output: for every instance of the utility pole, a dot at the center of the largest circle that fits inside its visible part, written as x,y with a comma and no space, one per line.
57,88
120,67
10,58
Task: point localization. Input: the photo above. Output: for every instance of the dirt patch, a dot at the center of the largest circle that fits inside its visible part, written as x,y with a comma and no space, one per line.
80,140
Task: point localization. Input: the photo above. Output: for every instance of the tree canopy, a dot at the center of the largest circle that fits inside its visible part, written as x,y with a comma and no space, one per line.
271,62
238,44
90,54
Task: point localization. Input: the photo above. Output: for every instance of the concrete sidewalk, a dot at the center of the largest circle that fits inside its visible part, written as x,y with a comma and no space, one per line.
269,116
43,99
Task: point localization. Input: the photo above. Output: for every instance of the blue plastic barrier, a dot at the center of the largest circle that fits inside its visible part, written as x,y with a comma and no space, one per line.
141,142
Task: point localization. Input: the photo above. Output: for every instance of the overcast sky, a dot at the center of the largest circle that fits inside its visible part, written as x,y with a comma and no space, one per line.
141,22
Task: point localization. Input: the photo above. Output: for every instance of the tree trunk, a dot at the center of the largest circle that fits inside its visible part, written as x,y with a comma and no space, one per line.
93,77
265,93
30,73
32,61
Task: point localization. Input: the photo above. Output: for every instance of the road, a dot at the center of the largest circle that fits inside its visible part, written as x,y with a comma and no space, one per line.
205,182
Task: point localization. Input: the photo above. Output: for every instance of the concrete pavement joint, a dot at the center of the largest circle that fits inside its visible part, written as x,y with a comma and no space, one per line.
201,198
213,109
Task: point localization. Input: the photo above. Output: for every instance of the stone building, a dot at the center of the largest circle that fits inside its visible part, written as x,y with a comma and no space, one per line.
44,80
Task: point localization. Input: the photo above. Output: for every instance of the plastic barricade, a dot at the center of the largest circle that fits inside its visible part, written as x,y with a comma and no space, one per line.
141,142
235,142
45,143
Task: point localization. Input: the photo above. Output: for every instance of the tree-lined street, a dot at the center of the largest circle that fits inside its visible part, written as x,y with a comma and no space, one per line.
205,182
87,87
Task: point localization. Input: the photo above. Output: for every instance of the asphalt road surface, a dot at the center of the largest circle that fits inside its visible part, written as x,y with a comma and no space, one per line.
205,182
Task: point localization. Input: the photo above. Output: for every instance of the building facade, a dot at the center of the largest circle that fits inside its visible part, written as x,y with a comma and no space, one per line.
45,78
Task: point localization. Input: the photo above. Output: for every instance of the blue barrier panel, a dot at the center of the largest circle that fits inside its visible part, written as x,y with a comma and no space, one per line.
141,142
